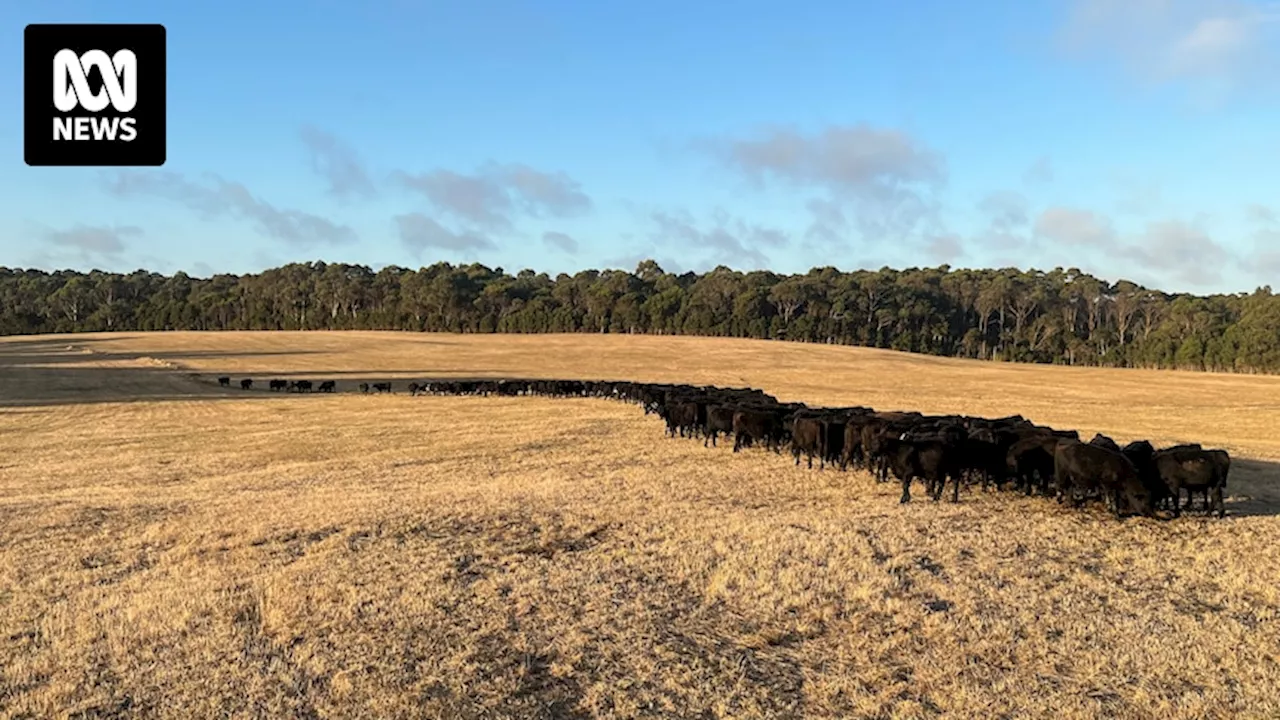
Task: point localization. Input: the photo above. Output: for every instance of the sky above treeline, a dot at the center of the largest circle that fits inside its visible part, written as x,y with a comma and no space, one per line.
1135,139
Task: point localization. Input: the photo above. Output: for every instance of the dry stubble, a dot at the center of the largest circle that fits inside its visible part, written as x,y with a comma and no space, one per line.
171,549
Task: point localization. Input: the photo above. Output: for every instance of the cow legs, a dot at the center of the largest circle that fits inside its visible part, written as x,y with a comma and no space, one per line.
1218,504
955,491
906,490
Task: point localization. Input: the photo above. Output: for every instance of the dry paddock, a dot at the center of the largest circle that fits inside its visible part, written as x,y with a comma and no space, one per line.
172,549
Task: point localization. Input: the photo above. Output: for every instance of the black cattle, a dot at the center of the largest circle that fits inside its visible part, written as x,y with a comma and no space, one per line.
1029,462
224,382
1082,469
806,439
1191,469
907,445
300,386
246,384
751,426
382,387
364,388
852,452
985,459
1141,453
278,384
833,429
1102,441
328,386
681,418
930,461
719,420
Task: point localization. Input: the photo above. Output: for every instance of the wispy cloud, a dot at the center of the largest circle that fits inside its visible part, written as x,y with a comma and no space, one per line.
419,233
727,240
338,163
882,178
94,240
216,197
1217,47
560,241
490,197
1166,250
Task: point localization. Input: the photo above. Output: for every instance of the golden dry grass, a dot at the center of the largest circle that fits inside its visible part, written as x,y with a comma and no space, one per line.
172,549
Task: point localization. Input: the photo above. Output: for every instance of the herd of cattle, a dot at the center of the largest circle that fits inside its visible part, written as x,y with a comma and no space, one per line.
1009,452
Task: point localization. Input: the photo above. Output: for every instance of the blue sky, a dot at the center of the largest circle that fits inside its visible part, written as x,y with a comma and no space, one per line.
1129,138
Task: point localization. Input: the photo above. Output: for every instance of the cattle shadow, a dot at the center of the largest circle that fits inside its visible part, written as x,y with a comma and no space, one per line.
1253,488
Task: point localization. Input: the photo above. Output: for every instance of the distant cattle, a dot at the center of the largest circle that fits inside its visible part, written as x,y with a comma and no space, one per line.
364,388
278,384
246,384
328,386
382,387
414,388
224,382
300,386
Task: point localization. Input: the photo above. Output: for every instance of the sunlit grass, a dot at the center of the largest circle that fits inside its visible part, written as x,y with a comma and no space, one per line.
172,549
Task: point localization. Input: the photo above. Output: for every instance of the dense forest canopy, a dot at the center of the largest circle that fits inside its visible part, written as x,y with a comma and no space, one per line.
1062,316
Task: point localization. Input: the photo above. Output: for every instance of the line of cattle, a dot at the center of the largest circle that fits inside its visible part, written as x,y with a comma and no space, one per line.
908,446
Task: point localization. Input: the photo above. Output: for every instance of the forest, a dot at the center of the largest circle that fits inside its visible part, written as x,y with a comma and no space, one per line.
1059,316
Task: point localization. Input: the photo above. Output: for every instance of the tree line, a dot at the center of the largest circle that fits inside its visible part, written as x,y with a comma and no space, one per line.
1059,316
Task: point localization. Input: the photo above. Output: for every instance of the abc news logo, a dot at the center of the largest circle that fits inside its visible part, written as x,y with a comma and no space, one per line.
107,105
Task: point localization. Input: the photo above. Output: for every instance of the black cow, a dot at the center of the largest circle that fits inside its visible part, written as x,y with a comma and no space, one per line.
1030,463
224,382
300,386
382,387
931,461
328,386
719,420
681,418
806,438
364,388
750,426
414,388
278,384
1102,441
1142,454
1081,469
246,384
1192,469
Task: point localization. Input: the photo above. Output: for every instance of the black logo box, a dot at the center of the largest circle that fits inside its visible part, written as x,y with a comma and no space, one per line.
41,42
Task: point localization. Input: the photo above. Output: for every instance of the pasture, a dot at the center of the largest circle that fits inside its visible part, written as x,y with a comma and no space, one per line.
173,548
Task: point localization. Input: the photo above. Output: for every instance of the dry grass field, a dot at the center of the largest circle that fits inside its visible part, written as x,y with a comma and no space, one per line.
172,549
